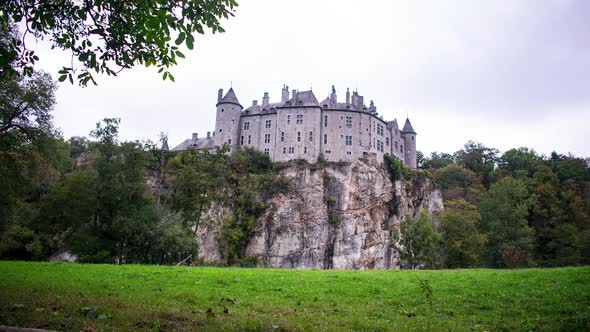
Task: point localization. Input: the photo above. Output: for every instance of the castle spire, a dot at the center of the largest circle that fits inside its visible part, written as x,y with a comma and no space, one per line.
408,127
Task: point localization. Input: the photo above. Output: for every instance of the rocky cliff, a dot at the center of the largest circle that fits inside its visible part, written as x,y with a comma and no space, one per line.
337,216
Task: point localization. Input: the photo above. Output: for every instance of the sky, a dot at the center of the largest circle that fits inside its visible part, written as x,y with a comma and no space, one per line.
504,73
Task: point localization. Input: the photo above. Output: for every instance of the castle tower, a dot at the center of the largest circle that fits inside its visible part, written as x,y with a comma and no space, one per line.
409,136
227,120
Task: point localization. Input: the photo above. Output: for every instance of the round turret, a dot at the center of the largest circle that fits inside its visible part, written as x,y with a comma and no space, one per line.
409,136
227,121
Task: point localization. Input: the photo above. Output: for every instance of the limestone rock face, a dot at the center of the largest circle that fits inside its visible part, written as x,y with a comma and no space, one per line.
340,216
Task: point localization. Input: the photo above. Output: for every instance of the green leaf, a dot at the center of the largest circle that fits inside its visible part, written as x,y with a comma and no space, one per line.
189,41
62,78
179,54
171,77
180,38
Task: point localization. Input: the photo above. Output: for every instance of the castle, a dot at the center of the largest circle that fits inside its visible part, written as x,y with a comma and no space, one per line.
300,127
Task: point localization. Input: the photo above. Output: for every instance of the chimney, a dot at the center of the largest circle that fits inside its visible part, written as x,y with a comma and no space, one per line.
208,134
254,102
285,94
195,136
347,96
294,94
361,103
355,99
265,99
219,95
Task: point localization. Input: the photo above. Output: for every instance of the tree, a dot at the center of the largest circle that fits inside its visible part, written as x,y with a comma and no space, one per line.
479,159
199,176
521,159
417,241
455,181
438,160
504,209
109,36
68,207
25,105
462,239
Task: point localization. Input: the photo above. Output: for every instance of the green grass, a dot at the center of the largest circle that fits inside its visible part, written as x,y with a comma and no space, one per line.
132,297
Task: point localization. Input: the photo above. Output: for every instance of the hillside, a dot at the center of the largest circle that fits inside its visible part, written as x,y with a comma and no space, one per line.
107,297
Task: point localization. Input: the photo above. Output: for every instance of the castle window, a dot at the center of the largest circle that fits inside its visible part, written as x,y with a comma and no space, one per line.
222,109
412,138
325,120
348,140
266,151
282,136
349,121
284,150
291,150
387,141
305,149
298,136
348,152
396,145
325,138
311,136
328,151
267,124
249,139
229,141
220,130
380,129
242,140
246,125
266,138
379,145
288,118
299,118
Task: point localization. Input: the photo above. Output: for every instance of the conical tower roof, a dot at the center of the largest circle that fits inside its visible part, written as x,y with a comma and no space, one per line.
408,127
165,145
230,98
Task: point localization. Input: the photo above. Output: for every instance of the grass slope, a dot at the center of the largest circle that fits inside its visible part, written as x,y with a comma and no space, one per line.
126,298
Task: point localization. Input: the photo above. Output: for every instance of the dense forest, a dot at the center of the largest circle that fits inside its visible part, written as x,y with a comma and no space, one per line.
109,201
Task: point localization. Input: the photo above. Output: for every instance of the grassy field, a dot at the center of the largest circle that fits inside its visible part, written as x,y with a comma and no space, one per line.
72,297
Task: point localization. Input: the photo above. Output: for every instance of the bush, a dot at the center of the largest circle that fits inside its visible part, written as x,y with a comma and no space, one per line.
394,167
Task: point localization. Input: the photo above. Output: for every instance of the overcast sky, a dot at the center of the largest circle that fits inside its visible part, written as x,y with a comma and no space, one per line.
505,73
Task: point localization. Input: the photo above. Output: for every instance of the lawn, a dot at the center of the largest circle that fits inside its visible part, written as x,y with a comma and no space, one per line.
72,297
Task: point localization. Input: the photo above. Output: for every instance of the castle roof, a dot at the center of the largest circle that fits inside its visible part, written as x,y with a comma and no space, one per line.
393,124
408,127
199,143
259,109
328,103
301,99
230,98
